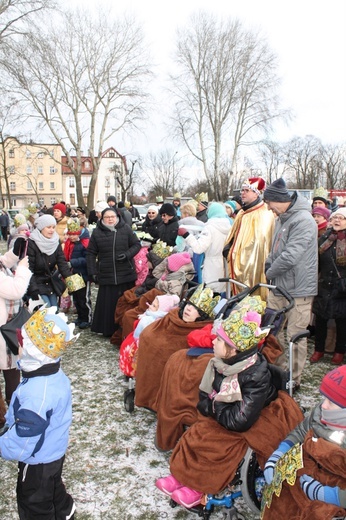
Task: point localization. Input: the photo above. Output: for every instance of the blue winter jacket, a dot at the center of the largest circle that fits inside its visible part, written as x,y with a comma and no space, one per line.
39,418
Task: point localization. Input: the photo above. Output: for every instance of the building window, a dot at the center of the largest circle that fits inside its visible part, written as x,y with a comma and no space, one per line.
14,203
28,185
28,154
71,182
29,170
51,153
11,153
52,201
85,182
107,182
40,185
111,154
52,185
41,201
11,169
12,186
87,165
52,170
72,199
40,155
40,170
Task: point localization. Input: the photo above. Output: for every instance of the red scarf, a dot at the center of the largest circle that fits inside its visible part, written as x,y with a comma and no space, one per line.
69,246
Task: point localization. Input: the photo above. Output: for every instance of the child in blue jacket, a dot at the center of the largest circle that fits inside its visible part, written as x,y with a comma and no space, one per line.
39,417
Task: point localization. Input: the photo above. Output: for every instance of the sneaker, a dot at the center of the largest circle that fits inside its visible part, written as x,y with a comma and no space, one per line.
168,484
187,497
84,325
77,322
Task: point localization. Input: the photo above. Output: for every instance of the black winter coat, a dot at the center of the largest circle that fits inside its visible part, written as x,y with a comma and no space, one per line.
257,391
103,248
39,263
152,226
169,232
329,302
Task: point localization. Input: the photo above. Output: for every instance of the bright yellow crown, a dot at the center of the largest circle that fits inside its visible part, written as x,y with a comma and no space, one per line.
161,249
73,226
204,300
40,333
201,197
320,192
32,208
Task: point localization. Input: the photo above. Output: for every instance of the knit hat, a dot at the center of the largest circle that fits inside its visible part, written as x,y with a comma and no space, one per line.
216,210
176,261
333,386
340,211
109,209
255,184
154,208
45,221
320,210
320,194
167,209
82,210
277,192
100,206
111,198
167,302
242,331
232,204
61,207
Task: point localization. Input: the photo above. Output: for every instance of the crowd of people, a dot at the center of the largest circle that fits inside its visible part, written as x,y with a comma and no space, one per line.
159,292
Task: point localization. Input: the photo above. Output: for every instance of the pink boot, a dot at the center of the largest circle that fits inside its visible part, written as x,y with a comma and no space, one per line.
168,484
187,497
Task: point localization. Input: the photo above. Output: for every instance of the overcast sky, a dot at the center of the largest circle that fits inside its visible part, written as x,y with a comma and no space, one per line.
309,37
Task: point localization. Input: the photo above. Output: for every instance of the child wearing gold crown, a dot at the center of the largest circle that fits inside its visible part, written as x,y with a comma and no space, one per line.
38,420
236,386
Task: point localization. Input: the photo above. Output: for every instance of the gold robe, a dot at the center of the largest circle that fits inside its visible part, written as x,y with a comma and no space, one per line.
250,237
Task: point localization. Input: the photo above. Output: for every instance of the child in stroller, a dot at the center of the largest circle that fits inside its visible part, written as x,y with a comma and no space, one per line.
237,408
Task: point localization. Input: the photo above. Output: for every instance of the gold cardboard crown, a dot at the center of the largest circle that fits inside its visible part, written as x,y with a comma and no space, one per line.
204,299
73,225
177,196
201,197
161,249
19,220
127,204
320,192
40,332
243,332
159,199
32,208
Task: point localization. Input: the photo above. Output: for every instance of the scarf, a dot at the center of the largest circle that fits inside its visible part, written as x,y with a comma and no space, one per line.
230,389
45,245
334,419
340,250
44,370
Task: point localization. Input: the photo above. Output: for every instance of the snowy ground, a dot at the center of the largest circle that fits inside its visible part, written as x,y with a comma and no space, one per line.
112,464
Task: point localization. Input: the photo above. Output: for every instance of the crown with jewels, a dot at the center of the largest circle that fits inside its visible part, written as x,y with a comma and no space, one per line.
161,249
40,330
73,226
242,329
203,298
256,184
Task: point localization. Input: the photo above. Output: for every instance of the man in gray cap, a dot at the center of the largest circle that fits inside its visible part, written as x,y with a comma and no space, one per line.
292,264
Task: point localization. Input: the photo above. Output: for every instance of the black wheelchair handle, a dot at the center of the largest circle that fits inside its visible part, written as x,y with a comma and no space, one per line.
300,335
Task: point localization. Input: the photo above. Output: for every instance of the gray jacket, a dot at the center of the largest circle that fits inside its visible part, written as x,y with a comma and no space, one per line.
293,260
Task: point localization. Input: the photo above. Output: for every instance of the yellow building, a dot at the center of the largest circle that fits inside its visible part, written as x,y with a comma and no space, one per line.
29,172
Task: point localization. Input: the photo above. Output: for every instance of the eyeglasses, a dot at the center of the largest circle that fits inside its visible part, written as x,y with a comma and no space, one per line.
337,217
151,213
164,215
111,217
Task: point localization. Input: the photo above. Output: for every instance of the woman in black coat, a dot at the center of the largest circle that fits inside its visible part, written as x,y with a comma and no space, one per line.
331,299
45,257
168,230
152,221
110,264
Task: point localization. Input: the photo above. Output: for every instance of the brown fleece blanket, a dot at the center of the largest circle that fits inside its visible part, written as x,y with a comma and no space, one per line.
178,395
324,461
207,455
157,343
134,305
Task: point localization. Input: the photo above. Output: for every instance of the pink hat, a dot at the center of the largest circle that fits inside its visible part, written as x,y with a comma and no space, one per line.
320,210
167,302
176,261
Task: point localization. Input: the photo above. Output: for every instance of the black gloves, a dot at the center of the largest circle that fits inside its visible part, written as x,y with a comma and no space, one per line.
19,246
121,257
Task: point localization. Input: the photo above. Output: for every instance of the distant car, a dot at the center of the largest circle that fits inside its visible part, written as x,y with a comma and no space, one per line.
142,211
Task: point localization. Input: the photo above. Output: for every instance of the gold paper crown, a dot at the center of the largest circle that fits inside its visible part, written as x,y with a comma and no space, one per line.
242,329
19,220
73,226
127,204
177,196
32,208
251,303
320,193
201,197
194,202
161,249
40,332
204,299
159,199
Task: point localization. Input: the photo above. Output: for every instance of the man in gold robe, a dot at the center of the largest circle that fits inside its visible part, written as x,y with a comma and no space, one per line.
249,240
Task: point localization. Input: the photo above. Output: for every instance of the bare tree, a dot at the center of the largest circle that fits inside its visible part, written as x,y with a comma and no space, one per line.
303,162
14,12
125,177
333,160
272,157
83,80
163,171
226,90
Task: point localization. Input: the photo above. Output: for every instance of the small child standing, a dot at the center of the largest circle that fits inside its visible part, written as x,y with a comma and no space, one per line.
38,419
128,349
75,252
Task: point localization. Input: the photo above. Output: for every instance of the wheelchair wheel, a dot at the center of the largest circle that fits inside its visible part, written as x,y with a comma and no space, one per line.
249,472
129,400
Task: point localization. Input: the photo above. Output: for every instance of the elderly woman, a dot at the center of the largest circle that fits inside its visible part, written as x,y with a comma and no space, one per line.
110,264
330,301
164,337
152,221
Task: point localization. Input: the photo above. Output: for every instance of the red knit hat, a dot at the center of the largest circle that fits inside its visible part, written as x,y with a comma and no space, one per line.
176,261
333,386
61,207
